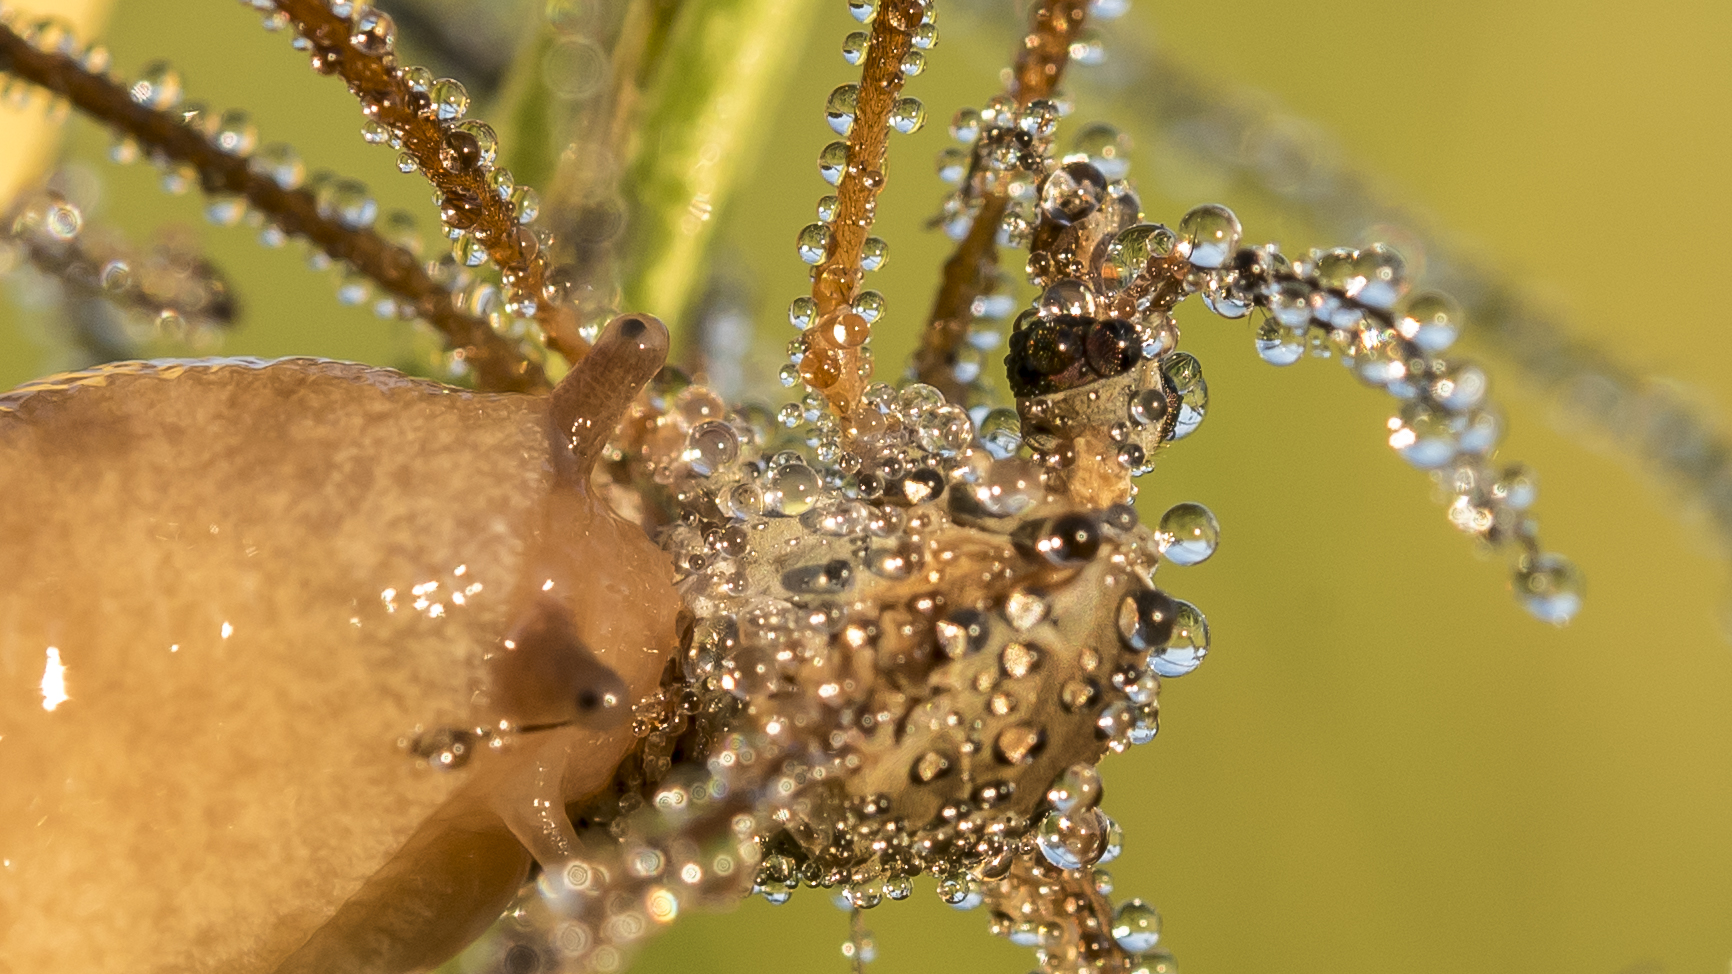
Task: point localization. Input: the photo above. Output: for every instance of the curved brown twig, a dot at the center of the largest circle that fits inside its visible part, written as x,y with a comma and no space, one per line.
361,50
497,364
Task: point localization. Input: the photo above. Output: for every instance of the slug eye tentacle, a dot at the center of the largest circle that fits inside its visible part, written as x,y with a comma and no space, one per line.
545,677
588,403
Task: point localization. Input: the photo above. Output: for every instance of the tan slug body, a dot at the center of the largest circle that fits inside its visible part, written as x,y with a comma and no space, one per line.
238,597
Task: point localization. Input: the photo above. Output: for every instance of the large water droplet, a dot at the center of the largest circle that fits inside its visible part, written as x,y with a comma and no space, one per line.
1146,619
813,244
1001,433
449,100
1188,645
855,45
1108,149
833,162
1188,534
1136,926
235,133
1072,192
1278,344
1186,375
1425,437
792,490
1209,234
843,104
374,33
1011,487
1074,839
907,116
157,87
874,251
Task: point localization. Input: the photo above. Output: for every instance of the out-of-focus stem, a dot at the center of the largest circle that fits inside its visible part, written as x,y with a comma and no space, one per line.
721,72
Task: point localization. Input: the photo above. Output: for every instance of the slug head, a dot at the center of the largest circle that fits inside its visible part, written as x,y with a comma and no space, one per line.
595,614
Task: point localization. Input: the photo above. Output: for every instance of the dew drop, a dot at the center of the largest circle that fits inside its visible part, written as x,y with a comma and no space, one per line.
873,253
1018,744
527,203
1432,321
448,99
1209,234
1073,840
374,32
158,86
908,115
1146,619
1277,344
841,107
793,489
1132,249
1188,645
1107,149
62,220
855,45
962,633
1001,433
1550,587
1186,375
1072,192
235,133
965,125
813,244
1078,787
1188,534
1136,926
711,446
1425,437
1011,487
1066,296
1019,659
833,162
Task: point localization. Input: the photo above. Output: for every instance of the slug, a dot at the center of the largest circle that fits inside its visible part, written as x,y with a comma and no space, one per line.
301,661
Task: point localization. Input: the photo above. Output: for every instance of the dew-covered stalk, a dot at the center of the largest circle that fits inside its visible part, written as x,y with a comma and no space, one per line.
834,362
231,172
968,274
721,69
424,116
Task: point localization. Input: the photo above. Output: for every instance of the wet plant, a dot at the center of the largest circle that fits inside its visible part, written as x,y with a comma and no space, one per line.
890,630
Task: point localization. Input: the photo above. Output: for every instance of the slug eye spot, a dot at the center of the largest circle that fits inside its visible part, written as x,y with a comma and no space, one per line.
591,700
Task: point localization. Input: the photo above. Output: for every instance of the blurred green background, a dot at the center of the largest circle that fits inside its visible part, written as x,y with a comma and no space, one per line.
1385,765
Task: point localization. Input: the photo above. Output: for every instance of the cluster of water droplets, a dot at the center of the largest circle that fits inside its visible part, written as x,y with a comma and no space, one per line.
1354,306
1031,640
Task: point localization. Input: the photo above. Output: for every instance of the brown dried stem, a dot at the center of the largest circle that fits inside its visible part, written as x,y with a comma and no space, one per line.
447,156
497,364
1040,63
831,367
